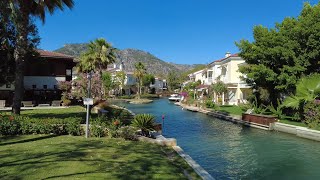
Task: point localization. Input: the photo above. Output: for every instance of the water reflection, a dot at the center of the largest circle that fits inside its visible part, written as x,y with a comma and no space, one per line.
231,151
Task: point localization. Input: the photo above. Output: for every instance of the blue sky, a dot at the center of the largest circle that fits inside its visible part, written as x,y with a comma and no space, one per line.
179,31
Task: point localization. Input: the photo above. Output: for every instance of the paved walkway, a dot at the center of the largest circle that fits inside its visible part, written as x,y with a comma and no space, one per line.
37,107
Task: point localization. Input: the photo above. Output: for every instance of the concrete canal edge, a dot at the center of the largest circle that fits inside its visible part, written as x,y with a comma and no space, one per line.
297,130
276,126
196,167
172,142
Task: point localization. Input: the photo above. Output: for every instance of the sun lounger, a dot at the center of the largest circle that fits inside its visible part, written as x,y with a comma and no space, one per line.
56,103
2,103
27,104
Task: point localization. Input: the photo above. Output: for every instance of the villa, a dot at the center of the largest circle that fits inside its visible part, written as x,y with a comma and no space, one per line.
225,70
41,78
130,83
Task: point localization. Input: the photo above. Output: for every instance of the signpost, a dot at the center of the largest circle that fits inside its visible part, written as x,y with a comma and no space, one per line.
88,101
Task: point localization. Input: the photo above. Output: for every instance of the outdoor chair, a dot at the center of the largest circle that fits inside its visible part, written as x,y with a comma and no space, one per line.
27,104
56,103
2,103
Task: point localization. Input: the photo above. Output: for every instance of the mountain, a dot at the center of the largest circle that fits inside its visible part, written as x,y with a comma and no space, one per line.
129,57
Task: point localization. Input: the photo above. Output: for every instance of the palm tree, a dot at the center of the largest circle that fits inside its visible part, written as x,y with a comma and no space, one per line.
97,58
307,90
22,12
139,72
219,87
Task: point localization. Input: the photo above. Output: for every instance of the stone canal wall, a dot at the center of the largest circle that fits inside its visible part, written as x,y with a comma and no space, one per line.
260,122
297,130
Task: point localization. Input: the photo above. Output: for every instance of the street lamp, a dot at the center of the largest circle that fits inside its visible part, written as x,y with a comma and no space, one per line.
89,76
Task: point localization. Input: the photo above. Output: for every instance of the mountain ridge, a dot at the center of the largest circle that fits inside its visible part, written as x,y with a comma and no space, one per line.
130,56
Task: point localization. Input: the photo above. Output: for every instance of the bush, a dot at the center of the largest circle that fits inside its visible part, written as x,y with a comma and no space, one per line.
125,97
98,127
145,122
9,125
73,127
312,114
24,125
128,133
149,96
113,128
122,114
209,104
66,102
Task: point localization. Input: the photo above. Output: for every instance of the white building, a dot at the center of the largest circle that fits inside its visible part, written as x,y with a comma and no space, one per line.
225,70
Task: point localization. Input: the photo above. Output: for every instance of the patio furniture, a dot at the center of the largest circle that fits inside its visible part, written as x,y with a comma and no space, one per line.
2,103
56,103
27,104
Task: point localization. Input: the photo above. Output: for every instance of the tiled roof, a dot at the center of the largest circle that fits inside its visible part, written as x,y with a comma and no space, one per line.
219,60
51,54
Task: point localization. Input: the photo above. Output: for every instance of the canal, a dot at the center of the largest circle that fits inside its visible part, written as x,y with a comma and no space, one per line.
231,151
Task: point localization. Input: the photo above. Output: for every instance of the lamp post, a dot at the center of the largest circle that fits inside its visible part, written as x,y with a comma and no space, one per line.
89,76
162,124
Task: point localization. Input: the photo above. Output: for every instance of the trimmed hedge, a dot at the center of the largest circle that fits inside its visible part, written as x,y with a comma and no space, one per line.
14,125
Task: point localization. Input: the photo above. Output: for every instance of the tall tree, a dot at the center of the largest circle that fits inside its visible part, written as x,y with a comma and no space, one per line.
97,58
139,73
219,87
147,80
107,81
279,56
99,55
7,43
173,81
121,78
22,12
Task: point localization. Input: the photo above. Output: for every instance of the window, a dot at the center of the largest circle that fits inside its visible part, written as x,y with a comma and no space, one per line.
68,72
45,86
8,85
34,86
55,87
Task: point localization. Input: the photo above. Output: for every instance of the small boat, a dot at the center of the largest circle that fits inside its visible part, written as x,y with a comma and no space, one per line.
175,97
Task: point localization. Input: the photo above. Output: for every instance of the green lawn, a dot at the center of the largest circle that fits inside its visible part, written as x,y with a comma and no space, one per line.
73,111
235,110
70,157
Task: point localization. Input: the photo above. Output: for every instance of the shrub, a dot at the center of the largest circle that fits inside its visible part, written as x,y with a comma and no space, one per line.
125,97
66,102
9,125
26,125
113,128
149,96
122,114
312,114
145,122
98,127
128,133
73,127
209,104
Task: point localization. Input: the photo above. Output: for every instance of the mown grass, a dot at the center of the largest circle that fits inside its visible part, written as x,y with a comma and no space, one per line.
73,111
70,157
235,110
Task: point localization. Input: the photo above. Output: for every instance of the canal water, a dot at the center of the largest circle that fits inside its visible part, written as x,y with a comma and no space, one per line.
231,151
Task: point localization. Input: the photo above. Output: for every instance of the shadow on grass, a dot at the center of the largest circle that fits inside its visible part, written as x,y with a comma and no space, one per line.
115,159
24,140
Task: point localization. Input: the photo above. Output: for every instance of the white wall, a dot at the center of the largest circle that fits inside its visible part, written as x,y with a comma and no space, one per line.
39,81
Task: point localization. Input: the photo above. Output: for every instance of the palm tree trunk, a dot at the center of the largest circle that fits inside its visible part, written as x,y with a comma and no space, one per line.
20,58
